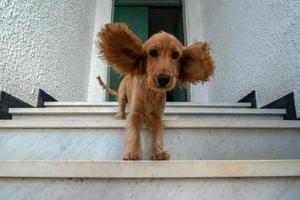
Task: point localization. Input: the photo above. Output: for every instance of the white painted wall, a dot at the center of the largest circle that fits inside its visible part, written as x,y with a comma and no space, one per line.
256,45
46,44
98,67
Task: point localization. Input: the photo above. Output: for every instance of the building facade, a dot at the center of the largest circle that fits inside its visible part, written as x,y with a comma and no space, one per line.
51,45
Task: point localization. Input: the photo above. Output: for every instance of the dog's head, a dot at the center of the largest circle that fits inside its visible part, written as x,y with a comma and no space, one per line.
162,58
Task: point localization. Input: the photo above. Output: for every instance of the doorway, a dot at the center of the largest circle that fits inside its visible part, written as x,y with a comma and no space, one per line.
145,18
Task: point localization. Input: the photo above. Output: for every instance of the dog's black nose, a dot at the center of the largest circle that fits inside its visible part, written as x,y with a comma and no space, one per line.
163,79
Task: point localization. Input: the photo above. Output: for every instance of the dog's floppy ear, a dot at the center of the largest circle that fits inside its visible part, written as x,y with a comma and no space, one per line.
120,47
196,64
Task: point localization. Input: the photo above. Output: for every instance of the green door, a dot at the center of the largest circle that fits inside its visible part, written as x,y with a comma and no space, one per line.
136,18
136,15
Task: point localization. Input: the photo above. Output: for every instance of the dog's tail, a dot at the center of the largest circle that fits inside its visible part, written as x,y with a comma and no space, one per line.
105,87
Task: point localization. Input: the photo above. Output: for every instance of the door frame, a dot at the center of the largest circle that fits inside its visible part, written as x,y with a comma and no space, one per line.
188,88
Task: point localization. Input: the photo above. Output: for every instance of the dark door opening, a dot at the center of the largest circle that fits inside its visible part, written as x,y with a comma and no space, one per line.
165,19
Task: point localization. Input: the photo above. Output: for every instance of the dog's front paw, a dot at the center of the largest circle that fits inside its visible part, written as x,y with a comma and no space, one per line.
160,156
120,116
134,155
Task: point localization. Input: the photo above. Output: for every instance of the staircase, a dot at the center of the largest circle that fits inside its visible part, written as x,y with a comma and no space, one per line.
72,150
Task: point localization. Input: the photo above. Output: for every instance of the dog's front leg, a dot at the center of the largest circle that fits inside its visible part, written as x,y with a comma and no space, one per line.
133,149
155,126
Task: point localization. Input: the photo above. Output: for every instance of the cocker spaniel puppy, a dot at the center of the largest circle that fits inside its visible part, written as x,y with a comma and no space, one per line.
150,69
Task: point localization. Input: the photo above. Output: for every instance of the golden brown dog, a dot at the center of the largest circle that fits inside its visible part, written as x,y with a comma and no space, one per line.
150,70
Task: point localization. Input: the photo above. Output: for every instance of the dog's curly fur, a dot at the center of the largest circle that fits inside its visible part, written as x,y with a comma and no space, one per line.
128,56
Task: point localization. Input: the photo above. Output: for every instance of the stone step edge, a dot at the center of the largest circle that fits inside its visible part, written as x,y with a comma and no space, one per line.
175,111
168,104
169,124
149,169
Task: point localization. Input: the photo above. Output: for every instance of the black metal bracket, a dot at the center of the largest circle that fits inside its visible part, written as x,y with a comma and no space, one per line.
42,97
250,98
288,103
8,101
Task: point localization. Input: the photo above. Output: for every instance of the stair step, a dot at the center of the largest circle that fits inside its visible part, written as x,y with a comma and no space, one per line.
211,180
72,150
189,140
171,124
150,169
174,113
168,104
171,110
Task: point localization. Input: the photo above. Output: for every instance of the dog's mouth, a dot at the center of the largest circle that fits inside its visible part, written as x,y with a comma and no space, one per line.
167,87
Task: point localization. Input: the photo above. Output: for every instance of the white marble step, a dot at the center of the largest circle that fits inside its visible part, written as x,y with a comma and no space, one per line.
193,180
149,169
171,124
171,113
185,140
169,104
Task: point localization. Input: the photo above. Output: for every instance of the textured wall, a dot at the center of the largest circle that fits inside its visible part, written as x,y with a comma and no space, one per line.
256,45
46,44
98,66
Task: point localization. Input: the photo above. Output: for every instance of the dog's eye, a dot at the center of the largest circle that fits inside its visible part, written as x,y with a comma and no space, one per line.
153,53
175,55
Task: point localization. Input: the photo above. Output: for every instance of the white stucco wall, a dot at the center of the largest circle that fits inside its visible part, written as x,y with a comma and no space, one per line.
256,46
98,67
46,44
